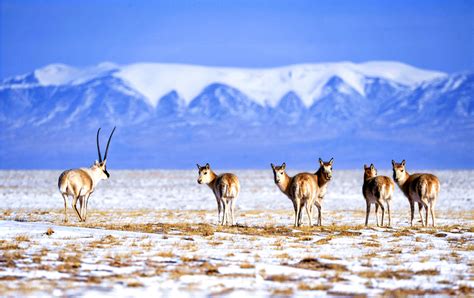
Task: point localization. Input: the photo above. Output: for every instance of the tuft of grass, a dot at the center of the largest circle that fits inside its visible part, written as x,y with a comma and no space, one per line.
324,240
389,274
209,269
402,233
165,254
316,264
247,265
283,292
22,238
329,257
283,256
120,261
134,284
279,278
428,272
185,259
317,287
371,244
7,245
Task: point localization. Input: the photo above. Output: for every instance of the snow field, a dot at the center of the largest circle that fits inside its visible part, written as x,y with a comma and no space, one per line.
152,232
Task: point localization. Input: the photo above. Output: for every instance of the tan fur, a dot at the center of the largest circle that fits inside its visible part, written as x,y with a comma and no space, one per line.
419,188
377,190
226,188
323,176
302,190
80,183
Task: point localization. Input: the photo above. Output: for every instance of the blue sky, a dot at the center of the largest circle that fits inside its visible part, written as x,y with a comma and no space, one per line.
429,34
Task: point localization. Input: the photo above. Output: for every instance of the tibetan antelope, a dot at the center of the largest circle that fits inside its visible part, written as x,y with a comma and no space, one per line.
226,188
324,175
420,188
377,190
302,189
80,183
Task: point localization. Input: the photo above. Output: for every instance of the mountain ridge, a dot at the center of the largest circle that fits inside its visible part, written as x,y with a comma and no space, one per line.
350,112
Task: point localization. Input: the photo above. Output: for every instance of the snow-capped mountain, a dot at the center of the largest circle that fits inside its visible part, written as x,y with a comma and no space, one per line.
247,111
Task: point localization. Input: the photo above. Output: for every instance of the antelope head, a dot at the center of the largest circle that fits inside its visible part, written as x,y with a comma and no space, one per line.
100,166
399,171
279,172
369,172
205,176
326,168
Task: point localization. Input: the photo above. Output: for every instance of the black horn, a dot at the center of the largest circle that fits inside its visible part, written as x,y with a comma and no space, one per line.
98,146
108,143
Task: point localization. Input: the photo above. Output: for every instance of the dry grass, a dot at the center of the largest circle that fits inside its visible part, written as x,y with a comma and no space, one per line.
316,264
324,240
396,274
186,252
247,265
165,254
329,257
317,287
120,260
283,292
402,233
418,292
280,278
8,245
134,284
22,238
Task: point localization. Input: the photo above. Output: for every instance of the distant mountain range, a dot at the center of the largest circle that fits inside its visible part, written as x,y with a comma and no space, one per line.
172,116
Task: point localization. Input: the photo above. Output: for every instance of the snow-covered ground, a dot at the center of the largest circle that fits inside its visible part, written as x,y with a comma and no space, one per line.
177,189
154,232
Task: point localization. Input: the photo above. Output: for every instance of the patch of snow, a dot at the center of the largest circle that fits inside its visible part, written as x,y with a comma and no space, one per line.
265,86
61,74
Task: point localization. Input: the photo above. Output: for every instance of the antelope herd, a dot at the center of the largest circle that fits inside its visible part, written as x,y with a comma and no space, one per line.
305,190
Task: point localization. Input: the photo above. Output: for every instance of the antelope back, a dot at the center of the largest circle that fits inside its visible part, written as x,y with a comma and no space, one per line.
304,185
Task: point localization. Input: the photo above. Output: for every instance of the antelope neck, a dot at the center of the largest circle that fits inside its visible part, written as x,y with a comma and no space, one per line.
321,178
284,184
213,179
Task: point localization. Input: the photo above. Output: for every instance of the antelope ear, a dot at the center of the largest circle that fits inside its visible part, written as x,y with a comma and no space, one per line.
207,166
393,162
321,162
283,166
198,166
372,166
365,166
96,162
403,162
331,161
272,165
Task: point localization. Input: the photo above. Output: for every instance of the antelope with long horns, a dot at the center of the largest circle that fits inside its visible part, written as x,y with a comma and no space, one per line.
80,183
377,190
226,188
418,188
324,175
302,190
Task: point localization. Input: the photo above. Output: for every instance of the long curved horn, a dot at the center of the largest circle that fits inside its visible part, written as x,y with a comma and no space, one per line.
98,146
108,143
